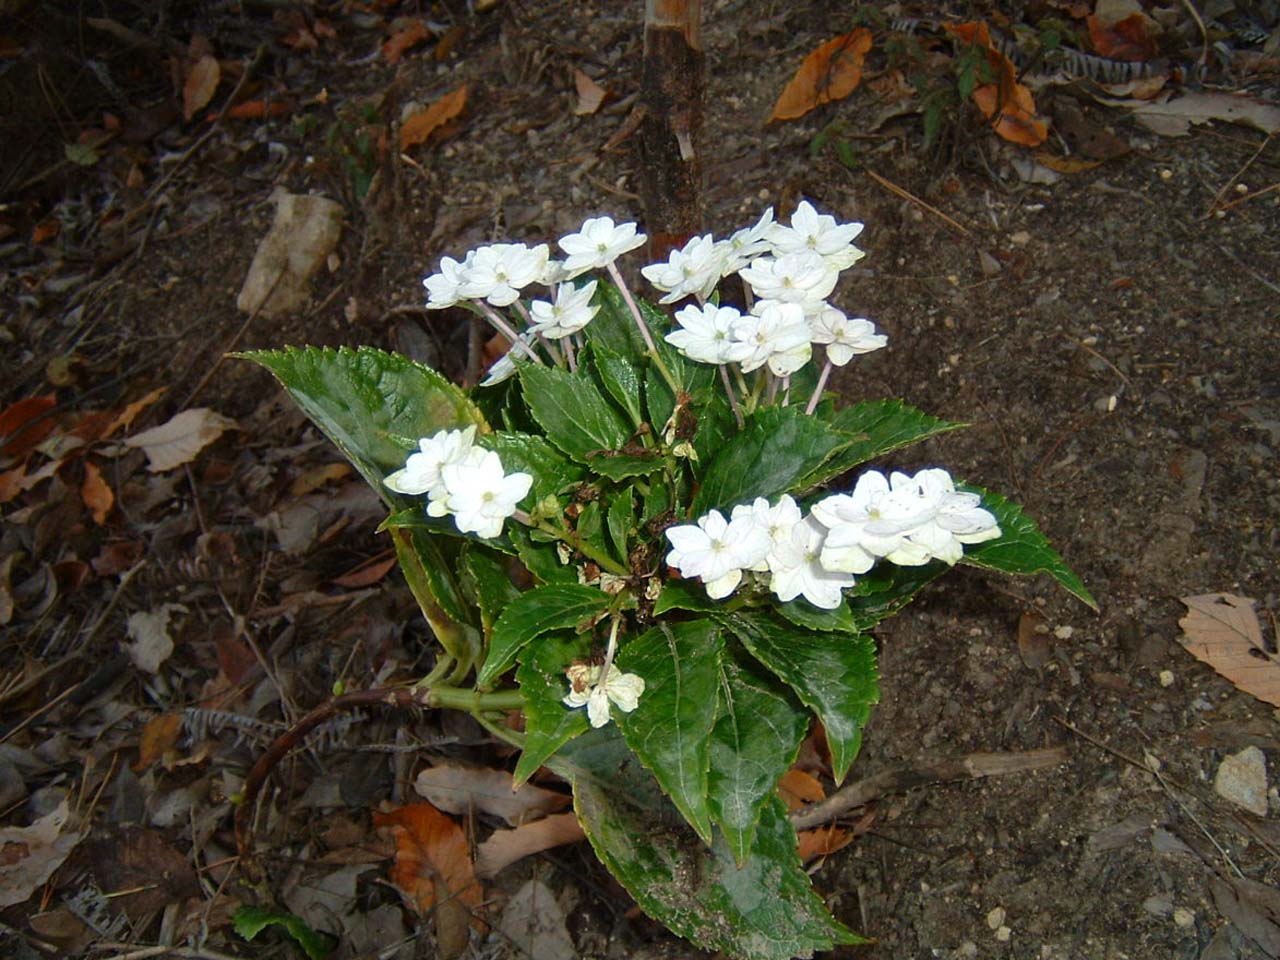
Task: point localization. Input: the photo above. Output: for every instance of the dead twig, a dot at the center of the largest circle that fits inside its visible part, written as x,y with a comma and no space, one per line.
970,767
908,195
1222,192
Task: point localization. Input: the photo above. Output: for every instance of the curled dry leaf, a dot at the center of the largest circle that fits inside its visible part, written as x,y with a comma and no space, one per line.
158,737
505,847
1128,39
1223,631
179,440
829,73
149,631
590,94
32,854
419,127
25,423
409,35
464,790
96,493
198,89
1007,103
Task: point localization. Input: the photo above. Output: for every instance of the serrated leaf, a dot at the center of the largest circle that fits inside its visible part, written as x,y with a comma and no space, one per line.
621,381
548,723
623,466
619,520
669,729
755,740
575,416
1021,547
557,606
494,589
886,589
251,921
778,447
764,909
540,559
613,328
805,614
682,595
878,427
835,675
551,470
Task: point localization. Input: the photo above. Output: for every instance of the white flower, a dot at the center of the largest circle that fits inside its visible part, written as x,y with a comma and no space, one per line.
622,689
845,336
571,311
598,244
497,273
692,271
706,334
444,289
778,334
777,522
802,277
421,472
505,366
553,273
958,517
746,244
717,551
820,234
478,494
874,521
798,571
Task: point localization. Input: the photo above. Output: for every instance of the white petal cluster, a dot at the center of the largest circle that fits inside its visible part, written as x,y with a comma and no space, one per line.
462,480
692,271
907,520
623,690
597,244
495,273
820,234
570,312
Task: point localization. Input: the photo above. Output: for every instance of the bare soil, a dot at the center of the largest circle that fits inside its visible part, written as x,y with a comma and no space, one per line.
1114,344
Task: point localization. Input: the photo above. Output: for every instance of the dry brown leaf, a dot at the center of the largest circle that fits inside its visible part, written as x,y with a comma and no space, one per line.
31,854
130,413
1222,630
366,575
1173,117
149,631
505,847
180,439
1008,104
829,73
798,788
419,127
317,477
202,81
463,790
434,873
590,94
821,841
410,35
96,493
1033,640
21,430
158,737
1128,39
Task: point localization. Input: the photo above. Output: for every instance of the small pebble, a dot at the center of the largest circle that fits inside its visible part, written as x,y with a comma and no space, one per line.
1166,678
995,919
1242,779
1242,188
1166,174
1003,934
1184,917
1064,632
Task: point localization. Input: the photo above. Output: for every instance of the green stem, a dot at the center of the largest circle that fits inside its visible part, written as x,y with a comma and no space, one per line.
643,327
503,733
473,701
603,560
444,664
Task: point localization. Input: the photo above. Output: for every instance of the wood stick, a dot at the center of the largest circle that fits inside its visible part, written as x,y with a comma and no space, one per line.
908,195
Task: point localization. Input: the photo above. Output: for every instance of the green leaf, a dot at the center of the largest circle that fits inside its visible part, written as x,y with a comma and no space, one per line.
683,595
1021,547
764,909
576,418
370,403
879,426
622,466
548,723
251,921
755,740
619,520
835,675
494,589
886,589
557,606
540,559
698,380
613,328
804,614
669,729
81,154
776,449
621,380
590,527
552,472
428,563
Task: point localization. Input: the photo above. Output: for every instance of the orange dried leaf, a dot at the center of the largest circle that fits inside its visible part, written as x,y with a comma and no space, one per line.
202,81
44,231
158,737
317,477
413,33
1128,39
21,426
255,110
433,865
590,94
1017,121
96,493
419,127
973,32
829,73
798,788
130,413
822,841
505,847
367,574
1223,631
1076,164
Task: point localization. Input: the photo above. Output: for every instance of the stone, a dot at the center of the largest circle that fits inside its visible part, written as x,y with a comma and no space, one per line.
1242,779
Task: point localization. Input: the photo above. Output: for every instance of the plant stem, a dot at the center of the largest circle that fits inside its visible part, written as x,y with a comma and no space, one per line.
569,355
603,560
644,329
503,733
733,397
473,701
817,388
505,329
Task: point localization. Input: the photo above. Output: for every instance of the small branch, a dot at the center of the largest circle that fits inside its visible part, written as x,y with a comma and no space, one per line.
907,195
971,767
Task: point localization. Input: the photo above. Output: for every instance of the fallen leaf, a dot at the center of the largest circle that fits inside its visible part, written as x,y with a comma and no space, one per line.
367,574
317,477
534,923
253,110
158,737
30,855
1128,39
457,789
798,788
434,873
44,231
505,847
829,73
412,34
24,424
116,557
143,873
1033,640
821,841
96,493
180,439
126,416
419,127
149,631
1222,630
1173,117
590,94
202,81
1007,103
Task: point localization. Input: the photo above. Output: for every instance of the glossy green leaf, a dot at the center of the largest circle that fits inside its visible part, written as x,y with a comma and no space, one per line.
548,723
805,614
250,921
684,595
428,563
373,405
621,381
613,328
620,519
775,451
575,416
755,740
669,729
623,466
551,470
557,606
590,527
493,586
834,674
886,589
542,559
700,381
877,427
1021,547
763,909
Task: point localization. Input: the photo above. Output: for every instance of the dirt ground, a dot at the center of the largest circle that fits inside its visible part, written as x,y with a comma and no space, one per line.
1113,341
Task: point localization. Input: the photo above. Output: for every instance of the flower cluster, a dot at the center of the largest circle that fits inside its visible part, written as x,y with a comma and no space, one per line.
907,520
462,480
